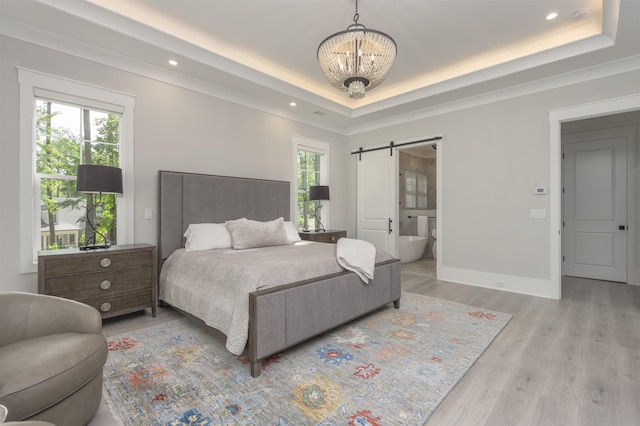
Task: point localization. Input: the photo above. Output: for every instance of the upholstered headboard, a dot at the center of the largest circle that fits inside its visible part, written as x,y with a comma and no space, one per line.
186,198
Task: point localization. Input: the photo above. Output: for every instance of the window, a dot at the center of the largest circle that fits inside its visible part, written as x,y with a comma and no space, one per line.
415,190
64,123
66,136
410,190
312,159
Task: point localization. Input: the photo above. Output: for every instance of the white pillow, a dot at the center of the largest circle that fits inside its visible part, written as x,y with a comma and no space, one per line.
292,232
207,236
250,233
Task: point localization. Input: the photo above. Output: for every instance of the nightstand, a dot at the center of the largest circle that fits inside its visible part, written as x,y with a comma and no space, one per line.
329,236
115,281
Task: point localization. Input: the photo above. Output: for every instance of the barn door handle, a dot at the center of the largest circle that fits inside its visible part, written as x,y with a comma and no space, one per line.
390,222
622,227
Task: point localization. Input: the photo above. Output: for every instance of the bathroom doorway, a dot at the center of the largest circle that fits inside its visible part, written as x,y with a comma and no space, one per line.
417,208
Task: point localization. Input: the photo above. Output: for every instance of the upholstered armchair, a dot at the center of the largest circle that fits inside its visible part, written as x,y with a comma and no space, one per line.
52,353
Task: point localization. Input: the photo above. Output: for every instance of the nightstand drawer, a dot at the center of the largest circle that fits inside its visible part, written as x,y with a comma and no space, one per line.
100,284
329,236
121,304
117,280
96,262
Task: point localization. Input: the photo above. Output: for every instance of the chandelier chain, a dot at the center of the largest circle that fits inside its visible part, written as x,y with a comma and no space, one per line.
356,16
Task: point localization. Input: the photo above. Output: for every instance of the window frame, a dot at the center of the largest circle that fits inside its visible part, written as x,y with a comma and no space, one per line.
33,84
318,147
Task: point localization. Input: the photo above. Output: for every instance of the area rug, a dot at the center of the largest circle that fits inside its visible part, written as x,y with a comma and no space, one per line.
393,366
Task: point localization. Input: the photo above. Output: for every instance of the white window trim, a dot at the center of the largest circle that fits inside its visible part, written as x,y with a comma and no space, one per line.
30,82
319,147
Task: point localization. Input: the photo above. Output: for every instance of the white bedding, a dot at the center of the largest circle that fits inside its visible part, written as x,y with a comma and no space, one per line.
358,256
214,285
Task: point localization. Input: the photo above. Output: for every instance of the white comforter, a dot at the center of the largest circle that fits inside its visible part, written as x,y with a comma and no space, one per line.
214,285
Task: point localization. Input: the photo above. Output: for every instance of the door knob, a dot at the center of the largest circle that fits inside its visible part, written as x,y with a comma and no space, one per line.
622,227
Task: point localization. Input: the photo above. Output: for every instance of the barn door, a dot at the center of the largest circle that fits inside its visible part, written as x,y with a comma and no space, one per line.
377,206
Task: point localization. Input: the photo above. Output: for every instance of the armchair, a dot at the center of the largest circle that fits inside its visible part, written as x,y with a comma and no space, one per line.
52,352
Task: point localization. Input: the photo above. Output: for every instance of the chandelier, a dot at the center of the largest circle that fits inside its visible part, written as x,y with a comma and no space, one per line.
357,59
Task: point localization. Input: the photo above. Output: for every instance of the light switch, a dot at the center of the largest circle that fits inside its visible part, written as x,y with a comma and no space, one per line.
148,213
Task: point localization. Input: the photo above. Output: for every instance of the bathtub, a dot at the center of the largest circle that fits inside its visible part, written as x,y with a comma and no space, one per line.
411,247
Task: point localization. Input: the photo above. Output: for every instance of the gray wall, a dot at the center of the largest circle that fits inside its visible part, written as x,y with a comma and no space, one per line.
175,129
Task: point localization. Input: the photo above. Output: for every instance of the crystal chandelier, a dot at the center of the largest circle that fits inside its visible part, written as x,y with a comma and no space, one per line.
357,59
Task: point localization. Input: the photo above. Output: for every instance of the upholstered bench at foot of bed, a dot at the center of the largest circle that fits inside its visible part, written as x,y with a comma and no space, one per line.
287,315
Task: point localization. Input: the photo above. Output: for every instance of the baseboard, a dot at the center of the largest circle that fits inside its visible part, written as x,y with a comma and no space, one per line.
512,283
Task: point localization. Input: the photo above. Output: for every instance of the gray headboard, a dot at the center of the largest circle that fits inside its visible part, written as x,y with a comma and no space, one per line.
186,198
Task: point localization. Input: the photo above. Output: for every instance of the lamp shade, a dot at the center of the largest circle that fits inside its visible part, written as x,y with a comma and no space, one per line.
93,178
319,192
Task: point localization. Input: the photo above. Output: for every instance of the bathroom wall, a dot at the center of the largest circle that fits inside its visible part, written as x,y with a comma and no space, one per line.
421,167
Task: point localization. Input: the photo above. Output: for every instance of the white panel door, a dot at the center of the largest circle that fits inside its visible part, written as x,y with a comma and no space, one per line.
595,209
377,206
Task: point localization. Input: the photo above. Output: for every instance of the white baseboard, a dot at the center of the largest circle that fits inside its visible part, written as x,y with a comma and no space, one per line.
512,283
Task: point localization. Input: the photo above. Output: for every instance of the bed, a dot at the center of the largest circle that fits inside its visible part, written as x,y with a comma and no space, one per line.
279,315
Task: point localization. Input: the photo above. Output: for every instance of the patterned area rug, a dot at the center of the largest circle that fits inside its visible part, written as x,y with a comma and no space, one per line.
391,367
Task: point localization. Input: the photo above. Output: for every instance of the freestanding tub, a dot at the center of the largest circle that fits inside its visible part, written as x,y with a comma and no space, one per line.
411,247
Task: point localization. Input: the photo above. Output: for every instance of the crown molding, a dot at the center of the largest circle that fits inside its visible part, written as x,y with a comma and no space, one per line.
46,39
40,37
607,69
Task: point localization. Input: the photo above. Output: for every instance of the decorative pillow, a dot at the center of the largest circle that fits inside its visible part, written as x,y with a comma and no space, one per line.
250,233
207,236
292,232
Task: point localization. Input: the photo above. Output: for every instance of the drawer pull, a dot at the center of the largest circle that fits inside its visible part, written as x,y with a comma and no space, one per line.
105,262
105,285
333,238
105,307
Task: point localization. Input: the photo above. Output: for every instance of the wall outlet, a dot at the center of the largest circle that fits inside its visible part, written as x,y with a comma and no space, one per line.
148,213
537,213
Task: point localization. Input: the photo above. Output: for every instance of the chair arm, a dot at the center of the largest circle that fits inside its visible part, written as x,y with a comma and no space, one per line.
27,315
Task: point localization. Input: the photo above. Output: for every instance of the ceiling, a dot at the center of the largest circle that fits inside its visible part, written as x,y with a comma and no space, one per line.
262,53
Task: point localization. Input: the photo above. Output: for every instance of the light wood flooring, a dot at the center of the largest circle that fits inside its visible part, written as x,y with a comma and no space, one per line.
574,361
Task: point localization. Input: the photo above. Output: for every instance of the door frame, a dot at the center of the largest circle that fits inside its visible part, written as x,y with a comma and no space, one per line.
439,146
630,197
556,118
439,181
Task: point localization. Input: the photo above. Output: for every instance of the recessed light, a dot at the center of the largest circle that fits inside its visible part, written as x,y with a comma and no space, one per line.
292,103
552,15
173,62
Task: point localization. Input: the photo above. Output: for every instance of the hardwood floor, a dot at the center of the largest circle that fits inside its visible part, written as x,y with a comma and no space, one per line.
574,361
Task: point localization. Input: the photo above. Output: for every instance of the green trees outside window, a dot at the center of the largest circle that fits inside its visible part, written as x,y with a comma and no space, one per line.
308,175
66,136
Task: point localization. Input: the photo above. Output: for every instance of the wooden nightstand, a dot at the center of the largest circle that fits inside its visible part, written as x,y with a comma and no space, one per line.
329,236
115,281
